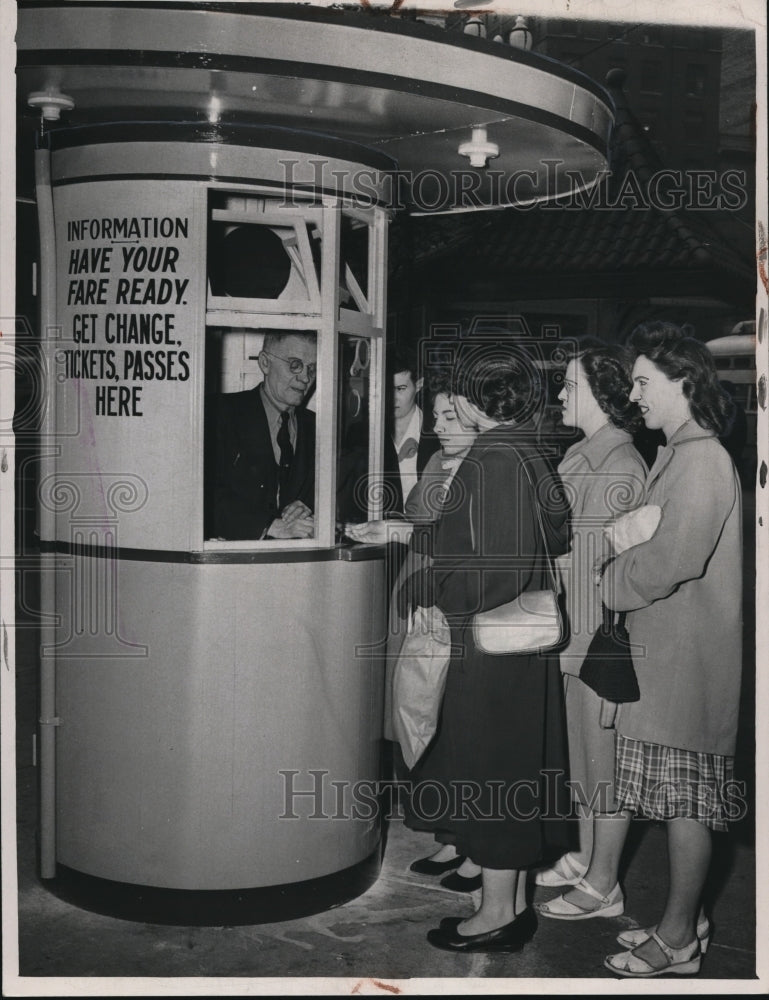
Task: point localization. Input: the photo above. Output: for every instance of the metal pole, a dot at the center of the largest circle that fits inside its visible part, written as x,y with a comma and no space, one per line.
48,720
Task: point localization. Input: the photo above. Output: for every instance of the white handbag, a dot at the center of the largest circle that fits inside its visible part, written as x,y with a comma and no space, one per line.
531,622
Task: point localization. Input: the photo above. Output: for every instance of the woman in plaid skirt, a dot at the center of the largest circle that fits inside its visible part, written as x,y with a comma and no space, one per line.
682,589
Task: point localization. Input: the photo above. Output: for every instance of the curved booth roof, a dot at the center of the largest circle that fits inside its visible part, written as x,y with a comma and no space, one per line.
412,92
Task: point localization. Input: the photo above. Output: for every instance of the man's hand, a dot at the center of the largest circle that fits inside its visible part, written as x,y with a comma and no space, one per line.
296,509
296,521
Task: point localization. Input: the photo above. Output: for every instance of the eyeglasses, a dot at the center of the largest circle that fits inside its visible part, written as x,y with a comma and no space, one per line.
569,386
295,365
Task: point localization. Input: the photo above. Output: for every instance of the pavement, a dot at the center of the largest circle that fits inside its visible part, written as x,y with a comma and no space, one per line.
381,935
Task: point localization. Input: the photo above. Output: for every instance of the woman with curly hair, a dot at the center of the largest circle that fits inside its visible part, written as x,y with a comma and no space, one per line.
488,782
682,589
603,475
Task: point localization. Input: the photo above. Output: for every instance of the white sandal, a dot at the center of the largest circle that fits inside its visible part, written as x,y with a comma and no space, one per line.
566,871
637,935
561,908
680,961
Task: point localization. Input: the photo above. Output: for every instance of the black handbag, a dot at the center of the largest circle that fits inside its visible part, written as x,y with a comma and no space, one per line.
608,666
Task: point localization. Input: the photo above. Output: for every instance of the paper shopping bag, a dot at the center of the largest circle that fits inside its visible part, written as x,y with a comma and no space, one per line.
419,680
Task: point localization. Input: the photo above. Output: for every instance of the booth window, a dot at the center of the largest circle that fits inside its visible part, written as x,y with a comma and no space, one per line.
353,430
294,323
263,314
353,264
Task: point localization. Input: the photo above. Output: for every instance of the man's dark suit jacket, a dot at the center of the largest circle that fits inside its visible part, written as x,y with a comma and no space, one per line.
245,494
394,499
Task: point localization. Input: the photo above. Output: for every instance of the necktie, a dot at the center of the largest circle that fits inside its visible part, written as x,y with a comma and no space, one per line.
286,455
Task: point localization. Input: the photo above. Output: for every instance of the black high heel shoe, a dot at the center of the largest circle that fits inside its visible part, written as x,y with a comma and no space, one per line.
426,866
510,937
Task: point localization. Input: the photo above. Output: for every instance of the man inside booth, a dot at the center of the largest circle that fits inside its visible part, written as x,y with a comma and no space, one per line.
264,482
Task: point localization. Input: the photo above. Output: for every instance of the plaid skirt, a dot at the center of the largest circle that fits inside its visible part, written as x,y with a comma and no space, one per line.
668,783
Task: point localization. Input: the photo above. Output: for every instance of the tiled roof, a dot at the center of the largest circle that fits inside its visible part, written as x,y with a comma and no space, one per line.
643,246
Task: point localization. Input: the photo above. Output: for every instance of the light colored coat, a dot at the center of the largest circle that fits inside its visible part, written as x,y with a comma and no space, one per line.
603,477
684,589
423,505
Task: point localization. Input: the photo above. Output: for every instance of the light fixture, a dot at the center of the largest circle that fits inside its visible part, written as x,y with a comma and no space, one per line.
474,26
50,103
464,4
479,149
520,34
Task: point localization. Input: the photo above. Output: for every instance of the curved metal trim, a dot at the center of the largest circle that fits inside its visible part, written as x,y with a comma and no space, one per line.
215,907
269,137
372,21
344,552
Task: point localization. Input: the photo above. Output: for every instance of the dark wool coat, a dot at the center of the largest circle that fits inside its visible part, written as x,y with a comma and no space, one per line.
492,781
245,482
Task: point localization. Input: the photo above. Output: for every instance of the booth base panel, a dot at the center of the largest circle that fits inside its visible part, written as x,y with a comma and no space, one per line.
224,757
214,907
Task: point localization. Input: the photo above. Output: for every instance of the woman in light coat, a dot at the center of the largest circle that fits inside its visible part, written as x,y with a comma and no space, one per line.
682,590
603,475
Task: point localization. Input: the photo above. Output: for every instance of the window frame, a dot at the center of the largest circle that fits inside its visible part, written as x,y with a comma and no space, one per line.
323,314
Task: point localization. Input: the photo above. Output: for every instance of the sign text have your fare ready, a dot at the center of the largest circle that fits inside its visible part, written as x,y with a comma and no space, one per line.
133,275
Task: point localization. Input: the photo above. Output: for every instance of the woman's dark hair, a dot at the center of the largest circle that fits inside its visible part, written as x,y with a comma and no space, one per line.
438,380
500,379
607,369
684,359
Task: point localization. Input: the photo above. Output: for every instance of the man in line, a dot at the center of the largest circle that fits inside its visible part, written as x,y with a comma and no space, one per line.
265,446
408,445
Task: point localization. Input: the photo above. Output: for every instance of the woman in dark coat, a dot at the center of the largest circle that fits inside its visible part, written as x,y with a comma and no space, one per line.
492,781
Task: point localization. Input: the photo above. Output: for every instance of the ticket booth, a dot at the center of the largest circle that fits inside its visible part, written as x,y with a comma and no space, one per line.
218,697
211,700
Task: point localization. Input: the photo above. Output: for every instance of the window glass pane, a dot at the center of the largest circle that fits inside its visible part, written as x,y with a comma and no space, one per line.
696,78
353,264
248,261
259,249
353,429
